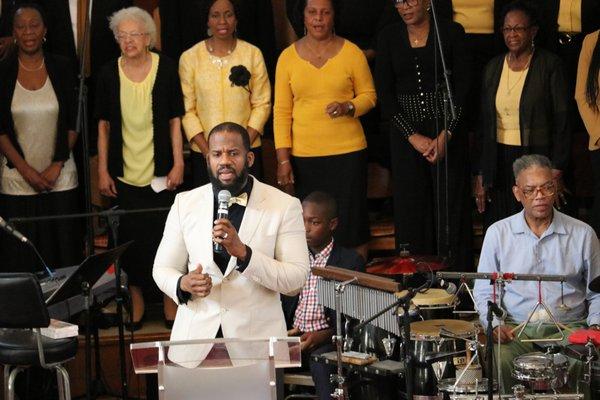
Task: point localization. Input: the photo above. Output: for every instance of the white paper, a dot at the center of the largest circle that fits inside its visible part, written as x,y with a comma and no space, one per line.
159,183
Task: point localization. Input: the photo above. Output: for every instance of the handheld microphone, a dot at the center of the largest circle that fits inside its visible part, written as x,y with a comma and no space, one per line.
12,231
222,212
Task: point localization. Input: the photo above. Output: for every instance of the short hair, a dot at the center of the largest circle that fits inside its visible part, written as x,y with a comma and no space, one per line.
531,160
136,14
208,5
232,127
334,4
324,200
523,6
32,6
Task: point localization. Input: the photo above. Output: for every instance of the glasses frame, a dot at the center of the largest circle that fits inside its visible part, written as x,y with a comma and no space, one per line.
519,30
410,3
547,189
122,36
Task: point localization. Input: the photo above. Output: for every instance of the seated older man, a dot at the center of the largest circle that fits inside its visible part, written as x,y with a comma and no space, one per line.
538,240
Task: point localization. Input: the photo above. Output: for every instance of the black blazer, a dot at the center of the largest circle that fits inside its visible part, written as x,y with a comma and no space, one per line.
167,103
60,38
543,112
340,257
62,77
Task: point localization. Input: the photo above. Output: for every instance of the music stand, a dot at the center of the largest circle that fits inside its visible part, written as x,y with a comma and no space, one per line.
80,282
89,271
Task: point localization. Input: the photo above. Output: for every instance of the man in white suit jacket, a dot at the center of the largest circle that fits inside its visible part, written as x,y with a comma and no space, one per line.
269,255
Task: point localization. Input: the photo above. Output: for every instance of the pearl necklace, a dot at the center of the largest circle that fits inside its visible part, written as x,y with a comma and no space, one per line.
219,61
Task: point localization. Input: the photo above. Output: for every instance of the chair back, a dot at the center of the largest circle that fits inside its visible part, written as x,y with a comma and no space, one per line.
22,302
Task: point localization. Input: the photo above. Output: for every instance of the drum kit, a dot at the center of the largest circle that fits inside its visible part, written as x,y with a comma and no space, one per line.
442,359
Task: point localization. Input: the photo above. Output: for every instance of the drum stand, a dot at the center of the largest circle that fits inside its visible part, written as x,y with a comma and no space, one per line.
341,392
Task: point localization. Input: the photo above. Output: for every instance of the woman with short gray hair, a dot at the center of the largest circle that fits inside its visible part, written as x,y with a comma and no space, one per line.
139,107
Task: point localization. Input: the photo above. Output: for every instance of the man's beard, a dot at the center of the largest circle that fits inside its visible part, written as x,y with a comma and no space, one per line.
234,187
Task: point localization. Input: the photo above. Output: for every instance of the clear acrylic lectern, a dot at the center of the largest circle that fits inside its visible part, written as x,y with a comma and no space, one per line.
216,368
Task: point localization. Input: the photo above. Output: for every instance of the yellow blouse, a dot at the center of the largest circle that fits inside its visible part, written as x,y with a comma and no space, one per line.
209,96
302,92
569,16
590,117
508,98
476,16
137,129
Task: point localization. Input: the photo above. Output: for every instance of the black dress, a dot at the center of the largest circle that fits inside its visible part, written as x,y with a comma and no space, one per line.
406,86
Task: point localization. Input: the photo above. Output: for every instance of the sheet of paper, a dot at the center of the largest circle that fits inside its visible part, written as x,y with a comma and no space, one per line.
159,184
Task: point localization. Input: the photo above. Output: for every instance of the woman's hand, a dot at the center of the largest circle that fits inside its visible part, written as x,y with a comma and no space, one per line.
285,175
35,179
419,142
106,185
52,172
480,194
437,149
175,177
335,109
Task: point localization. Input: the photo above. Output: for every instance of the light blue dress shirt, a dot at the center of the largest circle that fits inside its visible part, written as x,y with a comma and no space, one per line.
568,247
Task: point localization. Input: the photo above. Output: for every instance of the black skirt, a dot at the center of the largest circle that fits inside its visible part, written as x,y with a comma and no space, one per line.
145,229
343,176
420,200
60,242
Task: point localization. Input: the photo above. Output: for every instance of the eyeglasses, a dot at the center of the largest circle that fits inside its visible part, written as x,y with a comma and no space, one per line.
515,29
546,190
122,36
410,3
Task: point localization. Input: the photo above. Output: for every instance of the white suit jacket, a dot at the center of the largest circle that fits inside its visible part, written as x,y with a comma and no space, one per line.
245,305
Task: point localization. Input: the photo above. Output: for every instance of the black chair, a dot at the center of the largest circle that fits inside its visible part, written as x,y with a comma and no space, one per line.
21,343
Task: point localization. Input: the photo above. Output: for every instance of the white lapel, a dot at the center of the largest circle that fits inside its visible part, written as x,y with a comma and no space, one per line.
252,217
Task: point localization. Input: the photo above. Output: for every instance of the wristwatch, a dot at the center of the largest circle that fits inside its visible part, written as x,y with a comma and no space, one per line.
350,107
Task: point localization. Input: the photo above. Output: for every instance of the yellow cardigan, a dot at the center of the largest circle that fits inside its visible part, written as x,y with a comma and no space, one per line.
590,118
302,92
209,96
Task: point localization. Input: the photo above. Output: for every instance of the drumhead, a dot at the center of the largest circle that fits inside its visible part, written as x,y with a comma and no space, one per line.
447,385
431,297
430,330
538,361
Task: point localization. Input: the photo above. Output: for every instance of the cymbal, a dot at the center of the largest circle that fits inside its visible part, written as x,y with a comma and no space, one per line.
594,285
406,265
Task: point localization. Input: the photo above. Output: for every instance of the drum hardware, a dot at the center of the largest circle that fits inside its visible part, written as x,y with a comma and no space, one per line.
592,354
340,393
389,344
537,396
519,391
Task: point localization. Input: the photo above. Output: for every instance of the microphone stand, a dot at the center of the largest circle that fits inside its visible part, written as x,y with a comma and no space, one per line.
113,216
341,392
82,129
403,302
448,103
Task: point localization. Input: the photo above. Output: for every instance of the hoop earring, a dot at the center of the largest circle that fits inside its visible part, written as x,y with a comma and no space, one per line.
44,39
305,31
209,32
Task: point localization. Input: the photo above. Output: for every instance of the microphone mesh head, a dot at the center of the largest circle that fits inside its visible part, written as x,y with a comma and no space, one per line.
223,196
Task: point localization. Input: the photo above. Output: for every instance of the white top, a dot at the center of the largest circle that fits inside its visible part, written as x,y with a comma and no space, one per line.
35,115
73,13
